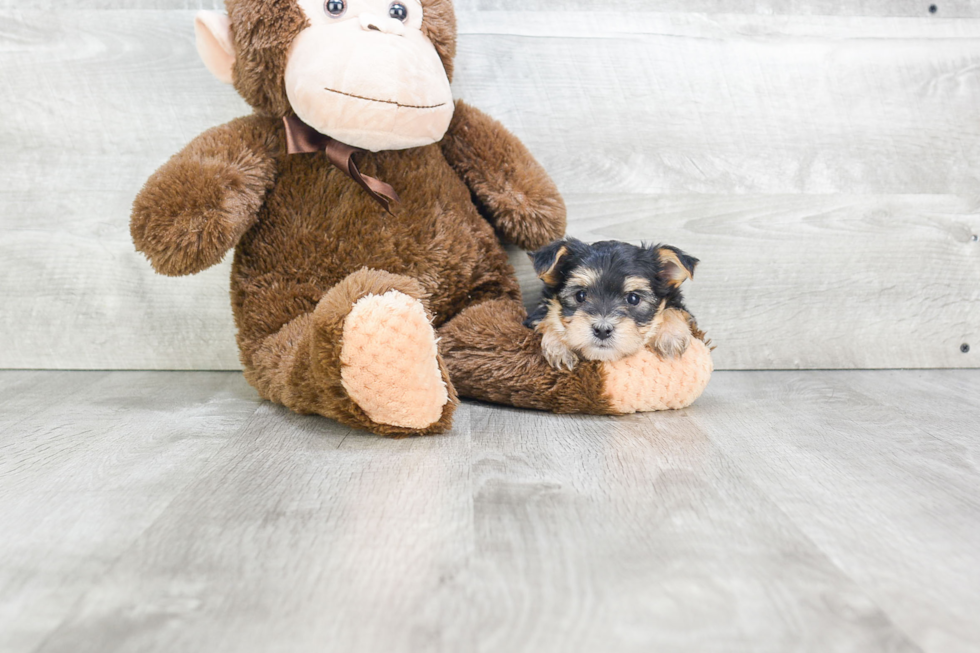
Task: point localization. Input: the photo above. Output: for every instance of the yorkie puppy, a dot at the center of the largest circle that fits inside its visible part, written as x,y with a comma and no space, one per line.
608,300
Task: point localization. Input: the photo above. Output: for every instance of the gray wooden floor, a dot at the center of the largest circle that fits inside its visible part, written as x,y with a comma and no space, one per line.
787,511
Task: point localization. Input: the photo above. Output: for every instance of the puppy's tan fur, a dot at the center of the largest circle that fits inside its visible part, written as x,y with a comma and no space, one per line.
567,340
633,284
673,334
554,339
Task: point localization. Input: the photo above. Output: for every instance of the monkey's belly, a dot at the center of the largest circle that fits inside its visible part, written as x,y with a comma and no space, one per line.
317,227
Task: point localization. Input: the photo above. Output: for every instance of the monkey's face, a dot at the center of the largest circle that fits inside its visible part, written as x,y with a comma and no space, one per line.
363,73
370,73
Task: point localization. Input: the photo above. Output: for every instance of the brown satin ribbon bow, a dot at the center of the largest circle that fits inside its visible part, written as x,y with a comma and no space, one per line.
302,139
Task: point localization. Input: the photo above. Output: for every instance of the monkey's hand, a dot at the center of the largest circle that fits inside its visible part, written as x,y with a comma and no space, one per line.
511,189
199,204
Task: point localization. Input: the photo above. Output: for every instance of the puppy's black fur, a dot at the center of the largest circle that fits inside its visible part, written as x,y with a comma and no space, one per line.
602,301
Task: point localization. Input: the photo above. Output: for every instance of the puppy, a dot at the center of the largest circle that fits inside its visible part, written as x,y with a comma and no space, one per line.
608,300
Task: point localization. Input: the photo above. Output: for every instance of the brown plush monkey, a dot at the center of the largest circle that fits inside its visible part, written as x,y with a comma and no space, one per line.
372,317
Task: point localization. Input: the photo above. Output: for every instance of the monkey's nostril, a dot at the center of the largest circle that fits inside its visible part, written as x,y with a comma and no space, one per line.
374,27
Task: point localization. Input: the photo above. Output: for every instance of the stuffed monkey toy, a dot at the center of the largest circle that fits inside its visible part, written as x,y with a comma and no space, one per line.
366,208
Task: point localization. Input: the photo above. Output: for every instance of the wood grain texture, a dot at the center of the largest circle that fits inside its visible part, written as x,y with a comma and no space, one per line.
88,460
905,8
688,103
305,537
820,161
626,535
94,102
860,506
785,511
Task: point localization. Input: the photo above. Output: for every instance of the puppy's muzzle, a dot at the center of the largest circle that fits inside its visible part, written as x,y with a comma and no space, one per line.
602,330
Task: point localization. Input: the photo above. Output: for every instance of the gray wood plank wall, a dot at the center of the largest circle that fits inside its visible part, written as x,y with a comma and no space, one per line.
820,157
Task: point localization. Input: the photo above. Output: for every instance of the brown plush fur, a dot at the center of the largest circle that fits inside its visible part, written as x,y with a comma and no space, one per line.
263,30
297,365
196,207
493,357
440,28
512,190
310,242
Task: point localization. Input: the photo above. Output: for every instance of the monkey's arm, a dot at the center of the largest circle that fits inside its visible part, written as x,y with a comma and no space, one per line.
511,189
199,203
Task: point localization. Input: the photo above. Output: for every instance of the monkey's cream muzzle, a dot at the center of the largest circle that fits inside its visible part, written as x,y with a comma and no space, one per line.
378,90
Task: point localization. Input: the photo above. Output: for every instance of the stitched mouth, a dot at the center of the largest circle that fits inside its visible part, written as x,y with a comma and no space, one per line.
397,104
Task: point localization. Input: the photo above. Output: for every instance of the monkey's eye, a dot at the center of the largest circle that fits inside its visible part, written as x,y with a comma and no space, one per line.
633,298
580,296
398,11
335,8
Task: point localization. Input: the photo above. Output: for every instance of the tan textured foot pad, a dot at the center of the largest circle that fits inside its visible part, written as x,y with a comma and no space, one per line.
646,382
389,363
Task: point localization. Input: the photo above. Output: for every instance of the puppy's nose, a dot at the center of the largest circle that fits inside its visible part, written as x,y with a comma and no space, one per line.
602,331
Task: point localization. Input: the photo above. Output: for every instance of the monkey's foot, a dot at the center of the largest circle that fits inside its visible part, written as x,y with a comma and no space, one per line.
390,364
646,382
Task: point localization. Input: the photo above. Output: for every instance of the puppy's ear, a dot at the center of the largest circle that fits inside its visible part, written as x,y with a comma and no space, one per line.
548,261
676,267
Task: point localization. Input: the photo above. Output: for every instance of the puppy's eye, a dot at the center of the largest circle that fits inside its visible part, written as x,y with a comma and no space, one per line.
633,298
580,296
398,11
335,8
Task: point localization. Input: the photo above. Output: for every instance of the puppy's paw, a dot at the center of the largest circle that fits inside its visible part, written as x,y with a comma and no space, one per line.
557,353
673,337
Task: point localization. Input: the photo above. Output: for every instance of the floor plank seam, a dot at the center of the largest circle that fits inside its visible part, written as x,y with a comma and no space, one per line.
41,411
109,568
744,475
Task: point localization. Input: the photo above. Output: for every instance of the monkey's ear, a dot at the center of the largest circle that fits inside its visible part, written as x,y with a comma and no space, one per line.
676,267
214,43
547,261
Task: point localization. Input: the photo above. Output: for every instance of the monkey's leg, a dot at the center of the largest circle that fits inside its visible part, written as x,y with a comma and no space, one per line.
492,356
365,356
